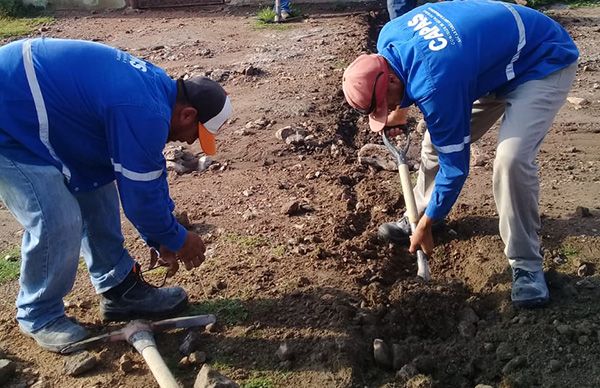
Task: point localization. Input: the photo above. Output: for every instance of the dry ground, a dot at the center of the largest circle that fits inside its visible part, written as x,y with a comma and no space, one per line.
321,281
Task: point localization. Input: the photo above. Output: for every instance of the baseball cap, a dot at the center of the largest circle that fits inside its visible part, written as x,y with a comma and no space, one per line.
213,106
365,85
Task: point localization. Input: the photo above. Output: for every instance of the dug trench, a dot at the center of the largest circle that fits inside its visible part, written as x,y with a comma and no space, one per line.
300,283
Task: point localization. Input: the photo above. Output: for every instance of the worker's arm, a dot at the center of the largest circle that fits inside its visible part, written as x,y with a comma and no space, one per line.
448,123
136,139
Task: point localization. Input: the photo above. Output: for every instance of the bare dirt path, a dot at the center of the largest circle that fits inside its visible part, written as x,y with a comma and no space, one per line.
319,280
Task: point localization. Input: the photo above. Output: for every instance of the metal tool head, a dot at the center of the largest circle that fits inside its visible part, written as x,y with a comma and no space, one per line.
399,154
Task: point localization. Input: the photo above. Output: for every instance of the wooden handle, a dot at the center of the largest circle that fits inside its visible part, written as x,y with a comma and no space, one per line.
407,192
143,341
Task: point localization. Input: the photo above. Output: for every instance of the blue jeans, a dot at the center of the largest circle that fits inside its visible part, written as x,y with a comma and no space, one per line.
58,226
285,6
400,7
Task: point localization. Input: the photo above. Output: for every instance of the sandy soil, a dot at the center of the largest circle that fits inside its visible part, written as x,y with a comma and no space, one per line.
320,280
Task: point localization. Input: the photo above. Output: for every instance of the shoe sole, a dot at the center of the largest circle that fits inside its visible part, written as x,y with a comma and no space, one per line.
531,303
132,314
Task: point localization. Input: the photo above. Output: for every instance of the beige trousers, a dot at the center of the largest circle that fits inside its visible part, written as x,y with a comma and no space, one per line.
527,114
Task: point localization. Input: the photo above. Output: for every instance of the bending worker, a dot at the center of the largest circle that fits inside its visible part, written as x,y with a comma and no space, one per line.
465,64
76,117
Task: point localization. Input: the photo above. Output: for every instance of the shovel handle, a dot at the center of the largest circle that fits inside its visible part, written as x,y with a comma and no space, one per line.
143,342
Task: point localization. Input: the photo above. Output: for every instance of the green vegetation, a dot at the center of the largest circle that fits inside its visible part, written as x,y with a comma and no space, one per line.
228,311
266,18
258,382
247,242
9,269
569,251
570,3
20,26
278,251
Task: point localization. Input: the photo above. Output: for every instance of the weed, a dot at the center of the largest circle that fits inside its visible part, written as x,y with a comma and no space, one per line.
9,269
278,251
569,251
247,242
258,382
229,311
20,26
266,15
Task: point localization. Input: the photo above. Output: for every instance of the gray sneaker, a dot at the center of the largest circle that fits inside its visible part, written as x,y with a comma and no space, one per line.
529,289
58,334
134,298
399,232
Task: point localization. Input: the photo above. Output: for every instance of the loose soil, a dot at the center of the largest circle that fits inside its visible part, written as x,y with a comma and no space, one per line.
320,280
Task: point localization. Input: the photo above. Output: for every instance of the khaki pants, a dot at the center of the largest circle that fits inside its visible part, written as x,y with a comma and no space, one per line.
527,114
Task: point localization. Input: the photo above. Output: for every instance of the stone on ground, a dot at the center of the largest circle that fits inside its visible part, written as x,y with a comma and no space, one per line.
211,378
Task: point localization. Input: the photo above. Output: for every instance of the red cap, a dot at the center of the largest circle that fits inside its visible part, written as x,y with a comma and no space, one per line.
365,86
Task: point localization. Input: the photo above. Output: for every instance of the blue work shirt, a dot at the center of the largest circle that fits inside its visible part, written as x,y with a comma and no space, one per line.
98,114
449,54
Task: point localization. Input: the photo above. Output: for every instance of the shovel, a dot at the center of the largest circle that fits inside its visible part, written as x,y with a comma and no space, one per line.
409,198
139,333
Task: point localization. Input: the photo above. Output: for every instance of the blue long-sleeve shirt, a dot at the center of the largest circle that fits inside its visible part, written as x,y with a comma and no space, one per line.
98,114
449,54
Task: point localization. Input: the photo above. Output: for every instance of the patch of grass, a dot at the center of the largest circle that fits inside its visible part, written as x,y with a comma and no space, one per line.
278,251
10,26
247,242
10,270
266,15
258,382
569,251
570,3
228,311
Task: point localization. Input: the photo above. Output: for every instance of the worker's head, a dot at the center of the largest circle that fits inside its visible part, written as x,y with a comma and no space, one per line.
201,109
372,88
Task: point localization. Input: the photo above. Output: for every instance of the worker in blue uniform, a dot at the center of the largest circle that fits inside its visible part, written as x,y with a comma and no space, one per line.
465,64
82,129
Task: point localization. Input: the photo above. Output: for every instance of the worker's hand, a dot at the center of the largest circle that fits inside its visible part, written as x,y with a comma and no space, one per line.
397,117
166,258
422,236
192,252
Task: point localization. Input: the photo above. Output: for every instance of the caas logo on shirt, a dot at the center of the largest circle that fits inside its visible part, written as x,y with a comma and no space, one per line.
420,23
133,61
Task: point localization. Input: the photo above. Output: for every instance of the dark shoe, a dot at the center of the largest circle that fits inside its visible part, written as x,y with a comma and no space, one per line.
529,289
58,334
134,298
399,232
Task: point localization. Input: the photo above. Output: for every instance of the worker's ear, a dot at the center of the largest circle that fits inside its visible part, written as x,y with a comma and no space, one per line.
188,115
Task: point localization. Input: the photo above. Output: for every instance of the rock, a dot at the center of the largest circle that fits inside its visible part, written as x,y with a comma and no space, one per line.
197,358
126,364
7,370
560,259
183,219
284,353
251,70
483,386
190,343
565,330
80,363
419,381
554,365
582,212
505,351
514,364
583,340
184,363
378,156
578,102
177,167
421,126
407,372
467,329
211,378
291,208
11,258
204,162
585,269
283,133
40,383
468,315
173,153
590,283
295,139
400,356
212,328
478,157
381,353
596,85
